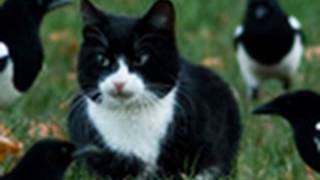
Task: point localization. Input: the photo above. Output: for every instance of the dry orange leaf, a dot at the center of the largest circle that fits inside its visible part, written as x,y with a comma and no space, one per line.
9,147
72,76
212,62
63,106
73,46
60,35
312,52
4,131
44,130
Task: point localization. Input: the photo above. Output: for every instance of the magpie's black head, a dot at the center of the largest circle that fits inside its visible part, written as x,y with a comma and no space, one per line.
51,153
260,10
49,159
299,106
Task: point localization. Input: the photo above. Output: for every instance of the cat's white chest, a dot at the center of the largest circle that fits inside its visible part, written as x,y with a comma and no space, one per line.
137,133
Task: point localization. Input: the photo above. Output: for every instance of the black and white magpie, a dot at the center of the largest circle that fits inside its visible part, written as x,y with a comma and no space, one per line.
301,109
19,33
269,45
48,160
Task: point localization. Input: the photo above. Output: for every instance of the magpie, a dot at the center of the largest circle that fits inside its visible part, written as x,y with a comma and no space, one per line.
48,160
301,110
19,33
269,45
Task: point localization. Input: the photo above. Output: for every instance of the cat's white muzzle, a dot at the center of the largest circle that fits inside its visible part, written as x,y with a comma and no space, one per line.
121,87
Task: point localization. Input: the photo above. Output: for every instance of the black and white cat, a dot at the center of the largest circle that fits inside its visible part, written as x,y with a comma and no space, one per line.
151,111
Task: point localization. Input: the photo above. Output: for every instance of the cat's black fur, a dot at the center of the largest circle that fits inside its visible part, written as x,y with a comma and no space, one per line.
206,129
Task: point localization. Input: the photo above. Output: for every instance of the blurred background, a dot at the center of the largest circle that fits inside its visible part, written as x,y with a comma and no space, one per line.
205,36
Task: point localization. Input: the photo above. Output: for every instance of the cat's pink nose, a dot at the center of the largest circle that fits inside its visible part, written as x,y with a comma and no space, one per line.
119,86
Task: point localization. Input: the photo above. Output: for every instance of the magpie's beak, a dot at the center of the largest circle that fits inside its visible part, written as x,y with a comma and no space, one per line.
265,109
54,4
85,151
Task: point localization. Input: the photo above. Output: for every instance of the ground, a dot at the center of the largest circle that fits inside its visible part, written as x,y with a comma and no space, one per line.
204,30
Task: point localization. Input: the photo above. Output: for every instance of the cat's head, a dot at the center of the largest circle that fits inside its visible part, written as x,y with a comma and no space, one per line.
126,61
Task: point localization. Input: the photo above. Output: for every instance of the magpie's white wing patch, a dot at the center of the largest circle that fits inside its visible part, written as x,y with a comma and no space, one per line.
4,51
294,23
316,137
238,32
318,126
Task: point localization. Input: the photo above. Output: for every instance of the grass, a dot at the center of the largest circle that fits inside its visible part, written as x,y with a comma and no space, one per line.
205,29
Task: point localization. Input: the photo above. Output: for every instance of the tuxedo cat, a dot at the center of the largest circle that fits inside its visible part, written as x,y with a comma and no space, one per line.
154,114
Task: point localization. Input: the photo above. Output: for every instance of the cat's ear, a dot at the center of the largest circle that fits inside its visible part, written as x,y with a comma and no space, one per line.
90,14
161,16
91,17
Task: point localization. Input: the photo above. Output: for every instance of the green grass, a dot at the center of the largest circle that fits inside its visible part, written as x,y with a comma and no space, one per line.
205,29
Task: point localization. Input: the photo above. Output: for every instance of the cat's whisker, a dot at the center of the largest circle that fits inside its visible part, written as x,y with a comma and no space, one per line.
158,85
94,94
78,102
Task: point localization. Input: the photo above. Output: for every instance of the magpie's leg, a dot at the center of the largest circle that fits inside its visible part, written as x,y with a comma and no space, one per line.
252,82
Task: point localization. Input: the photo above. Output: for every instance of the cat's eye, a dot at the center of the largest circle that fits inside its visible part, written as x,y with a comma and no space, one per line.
103,60
142,60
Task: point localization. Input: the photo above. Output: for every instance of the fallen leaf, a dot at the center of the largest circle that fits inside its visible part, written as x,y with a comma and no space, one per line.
44,130
60,35
212,62
4,131
312,52
73,47
69,44
9,147
72,76
63,106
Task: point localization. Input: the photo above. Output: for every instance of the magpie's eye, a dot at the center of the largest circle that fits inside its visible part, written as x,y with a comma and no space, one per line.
142,60
102,60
